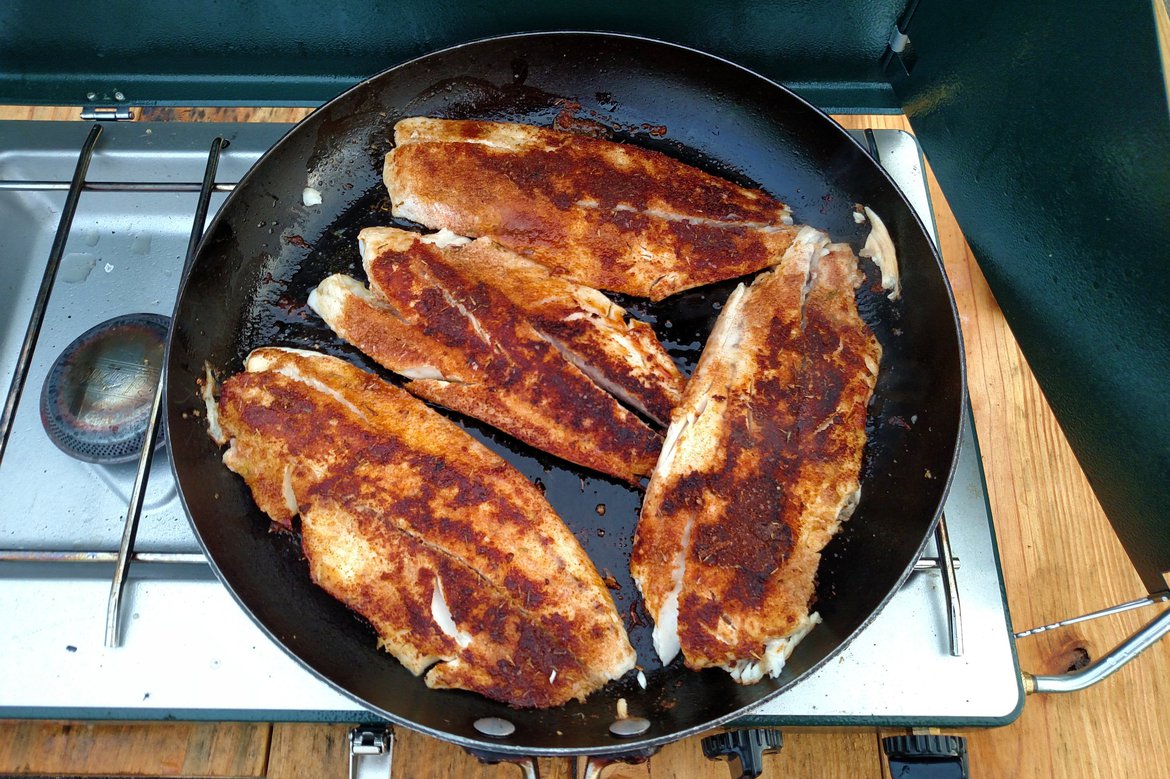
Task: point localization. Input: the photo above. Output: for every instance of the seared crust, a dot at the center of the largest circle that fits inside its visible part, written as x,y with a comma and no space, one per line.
619,353
609,215
402,511
469,349
761,464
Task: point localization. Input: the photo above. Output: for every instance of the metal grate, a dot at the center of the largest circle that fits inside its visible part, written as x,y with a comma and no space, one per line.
78,184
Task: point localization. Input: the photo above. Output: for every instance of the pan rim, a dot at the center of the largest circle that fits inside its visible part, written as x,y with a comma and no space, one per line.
623,746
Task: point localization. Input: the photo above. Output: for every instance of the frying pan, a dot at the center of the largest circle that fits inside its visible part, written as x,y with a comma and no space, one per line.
265,250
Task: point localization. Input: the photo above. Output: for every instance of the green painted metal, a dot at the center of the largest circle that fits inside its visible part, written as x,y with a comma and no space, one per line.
1048,128
297,52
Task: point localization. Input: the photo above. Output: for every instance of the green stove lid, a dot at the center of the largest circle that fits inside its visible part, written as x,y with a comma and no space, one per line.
299,52
1048,128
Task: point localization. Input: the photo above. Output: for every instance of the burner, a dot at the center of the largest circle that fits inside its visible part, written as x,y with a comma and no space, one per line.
96,401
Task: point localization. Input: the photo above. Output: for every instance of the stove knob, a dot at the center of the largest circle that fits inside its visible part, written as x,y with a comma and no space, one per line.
926,757
744,748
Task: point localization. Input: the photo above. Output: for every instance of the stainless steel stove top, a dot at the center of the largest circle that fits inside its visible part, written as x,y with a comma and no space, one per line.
188,650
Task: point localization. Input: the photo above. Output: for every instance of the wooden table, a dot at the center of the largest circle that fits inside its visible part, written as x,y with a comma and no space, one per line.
1060,558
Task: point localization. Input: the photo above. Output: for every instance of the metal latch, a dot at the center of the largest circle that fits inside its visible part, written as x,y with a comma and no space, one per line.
898,41
898,46
107,113
371,752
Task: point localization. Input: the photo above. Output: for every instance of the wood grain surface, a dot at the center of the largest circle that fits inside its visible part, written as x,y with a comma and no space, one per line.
1059,556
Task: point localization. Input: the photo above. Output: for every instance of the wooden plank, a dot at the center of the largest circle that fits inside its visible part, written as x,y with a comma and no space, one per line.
212,114
300,749
211,749
40,113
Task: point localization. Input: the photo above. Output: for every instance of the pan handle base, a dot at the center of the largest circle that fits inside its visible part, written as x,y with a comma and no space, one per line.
529,769
595,764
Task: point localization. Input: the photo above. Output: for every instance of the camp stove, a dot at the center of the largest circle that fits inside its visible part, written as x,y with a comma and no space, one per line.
111,609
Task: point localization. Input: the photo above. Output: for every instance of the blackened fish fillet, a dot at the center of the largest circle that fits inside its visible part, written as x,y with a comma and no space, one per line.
619,353
452,555
760,466
609,215
467,347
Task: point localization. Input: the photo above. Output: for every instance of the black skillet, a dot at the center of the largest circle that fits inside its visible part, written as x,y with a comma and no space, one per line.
266,249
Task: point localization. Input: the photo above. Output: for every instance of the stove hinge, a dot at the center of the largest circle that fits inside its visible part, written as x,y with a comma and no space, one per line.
107,113
371,752
899,49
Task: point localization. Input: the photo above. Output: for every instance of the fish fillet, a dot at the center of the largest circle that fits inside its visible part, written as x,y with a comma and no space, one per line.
609,215
456,560
619,353
760,466
466,347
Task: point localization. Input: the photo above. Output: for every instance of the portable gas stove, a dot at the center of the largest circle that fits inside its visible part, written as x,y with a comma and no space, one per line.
941,652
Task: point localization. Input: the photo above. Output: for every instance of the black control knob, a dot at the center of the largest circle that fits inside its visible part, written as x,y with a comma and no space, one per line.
745,749
927,757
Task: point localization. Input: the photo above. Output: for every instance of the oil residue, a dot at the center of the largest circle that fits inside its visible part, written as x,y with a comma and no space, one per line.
141,244
76,267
